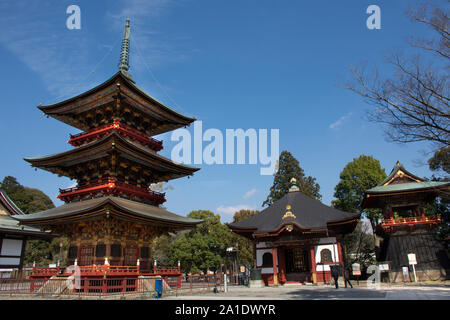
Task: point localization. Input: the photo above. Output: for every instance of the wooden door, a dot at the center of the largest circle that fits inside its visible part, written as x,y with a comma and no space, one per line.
130,256
296,260
86,256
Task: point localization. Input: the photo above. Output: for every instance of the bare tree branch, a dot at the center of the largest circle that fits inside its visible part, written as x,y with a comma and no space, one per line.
413,104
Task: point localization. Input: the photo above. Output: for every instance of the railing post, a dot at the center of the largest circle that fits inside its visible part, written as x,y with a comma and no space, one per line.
86,285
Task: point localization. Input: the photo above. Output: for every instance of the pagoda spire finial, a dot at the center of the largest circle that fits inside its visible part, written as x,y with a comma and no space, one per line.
125,52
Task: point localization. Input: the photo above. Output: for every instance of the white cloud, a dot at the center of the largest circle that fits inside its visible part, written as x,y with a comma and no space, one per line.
229,211
249,193
146,41
38,38
340,121
37,35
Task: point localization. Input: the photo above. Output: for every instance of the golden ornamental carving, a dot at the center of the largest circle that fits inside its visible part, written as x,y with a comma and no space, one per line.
288,213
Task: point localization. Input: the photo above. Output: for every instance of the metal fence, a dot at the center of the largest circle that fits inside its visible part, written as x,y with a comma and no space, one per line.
92,286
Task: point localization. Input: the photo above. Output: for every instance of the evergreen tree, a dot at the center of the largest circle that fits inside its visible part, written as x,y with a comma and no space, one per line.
31,200
359,175
244,245
204,247
288,168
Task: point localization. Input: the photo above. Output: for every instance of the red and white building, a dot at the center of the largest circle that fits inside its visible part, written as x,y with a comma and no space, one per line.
297,238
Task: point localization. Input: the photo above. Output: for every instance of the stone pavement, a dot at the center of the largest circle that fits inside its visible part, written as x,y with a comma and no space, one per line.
409,291
302,292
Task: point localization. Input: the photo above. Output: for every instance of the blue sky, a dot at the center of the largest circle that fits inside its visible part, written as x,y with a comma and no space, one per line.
232,64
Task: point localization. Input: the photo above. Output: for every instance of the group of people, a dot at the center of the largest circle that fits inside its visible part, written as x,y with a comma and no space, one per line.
335,273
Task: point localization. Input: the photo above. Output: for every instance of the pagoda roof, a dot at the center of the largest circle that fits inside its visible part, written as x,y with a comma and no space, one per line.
102,147
401,181
400,171
8,205
79,103
411,186
115,206
297,209
8,225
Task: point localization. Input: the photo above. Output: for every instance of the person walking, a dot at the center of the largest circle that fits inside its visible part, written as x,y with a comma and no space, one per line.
347,277
335,274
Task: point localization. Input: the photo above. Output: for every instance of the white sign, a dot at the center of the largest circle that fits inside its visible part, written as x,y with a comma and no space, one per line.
405,271
384,267
412,258
356,267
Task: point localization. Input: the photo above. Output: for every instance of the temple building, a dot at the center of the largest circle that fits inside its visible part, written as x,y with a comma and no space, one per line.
406,228
297,238
13,237
111,216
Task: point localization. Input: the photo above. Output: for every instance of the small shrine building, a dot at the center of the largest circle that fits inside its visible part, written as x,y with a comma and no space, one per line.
406,227
297,238
13,237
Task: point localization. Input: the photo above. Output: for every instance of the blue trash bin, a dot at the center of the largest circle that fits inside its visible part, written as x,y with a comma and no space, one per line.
158,288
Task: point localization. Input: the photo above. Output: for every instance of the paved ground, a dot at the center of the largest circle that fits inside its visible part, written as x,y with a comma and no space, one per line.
301,292
423,291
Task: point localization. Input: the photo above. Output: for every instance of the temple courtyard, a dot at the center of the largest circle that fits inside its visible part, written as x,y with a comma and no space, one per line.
407,291
424,291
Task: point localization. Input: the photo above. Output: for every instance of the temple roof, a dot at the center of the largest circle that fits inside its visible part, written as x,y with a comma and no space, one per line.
7,206
103,147
399,171
411,186
297,209
143,101
401,181
115,206
11,226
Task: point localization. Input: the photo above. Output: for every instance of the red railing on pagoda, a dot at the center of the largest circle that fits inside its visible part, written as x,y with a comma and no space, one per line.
166,270
411,220
392,224
108,270
88,271
122,128
113,186
100,278
45,272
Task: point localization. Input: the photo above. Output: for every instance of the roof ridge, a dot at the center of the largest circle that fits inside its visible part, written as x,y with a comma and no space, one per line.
9,204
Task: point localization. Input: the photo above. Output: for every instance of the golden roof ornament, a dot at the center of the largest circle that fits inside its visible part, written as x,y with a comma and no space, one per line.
288,213
293,185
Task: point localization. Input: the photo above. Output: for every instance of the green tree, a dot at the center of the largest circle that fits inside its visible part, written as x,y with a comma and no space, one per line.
31,200
204,247
440,160
359,246
244,245
359,175
288,168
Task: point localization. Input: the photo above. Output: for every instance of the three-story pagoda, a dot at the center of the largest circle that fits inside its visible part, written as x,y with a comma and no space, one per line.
112,215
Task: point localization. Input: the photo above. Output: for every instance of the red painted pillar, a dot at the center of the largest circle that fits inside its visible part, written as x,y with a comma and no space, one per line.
274,261
313,265
341,260
254,254
281,265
